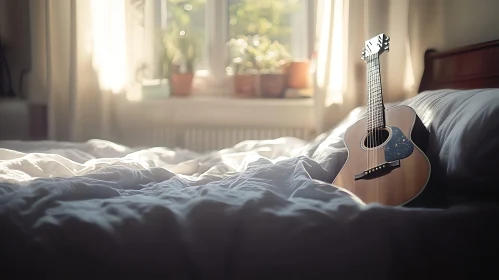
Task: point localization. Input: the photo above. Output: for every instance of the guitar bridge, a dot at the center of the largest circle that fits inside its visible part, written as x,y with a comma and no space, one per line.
378,170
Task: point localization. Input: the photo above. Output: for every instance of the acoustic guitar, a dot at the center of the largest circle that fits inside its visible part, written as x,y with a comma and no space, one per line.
386,163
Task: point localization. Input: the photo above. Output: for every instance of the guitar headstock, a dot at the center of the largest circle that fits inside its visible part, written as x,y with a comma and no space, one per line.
376,45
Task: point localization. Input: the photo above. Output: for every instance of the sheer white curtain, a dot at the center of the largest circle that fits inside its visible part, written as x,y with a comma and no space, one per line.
80,61
342,28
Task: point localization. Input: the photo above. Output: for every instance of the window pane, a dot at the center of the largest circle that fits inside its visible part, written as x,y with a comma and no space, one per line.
183,25
284,21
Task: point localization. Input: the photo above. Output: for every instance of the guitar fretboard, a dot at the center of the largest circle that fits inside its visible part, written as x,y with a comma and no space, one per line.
375,107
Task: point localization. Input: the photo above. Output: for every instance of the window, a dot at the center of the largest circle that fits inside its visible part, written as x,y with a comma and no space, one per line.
187,18
282,20
211,24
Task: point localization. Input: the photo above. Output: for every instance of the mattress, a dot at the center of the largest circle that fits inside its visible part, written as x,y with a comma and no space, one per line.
260,209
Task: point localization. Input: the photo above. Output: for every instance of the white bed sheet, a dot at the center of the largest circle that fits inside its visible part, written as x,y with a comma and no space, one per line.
163,209
212,211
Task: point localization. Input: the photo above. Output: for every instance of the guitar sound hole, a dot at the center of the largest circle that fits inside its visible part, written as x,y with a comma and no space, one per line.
376,137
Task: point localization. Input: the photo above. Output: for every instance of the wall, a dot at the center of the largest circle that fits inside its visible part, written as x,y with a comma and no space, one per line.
16,40
470,22
22,30
466,22
37,81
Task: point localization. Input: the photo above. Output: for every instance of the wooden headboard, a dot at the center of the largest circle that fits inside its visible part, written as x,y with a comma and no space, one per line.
475,66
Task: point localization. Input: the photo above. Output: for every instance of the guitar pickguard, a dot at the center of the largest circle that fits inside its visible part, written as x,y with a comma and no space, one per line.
398,147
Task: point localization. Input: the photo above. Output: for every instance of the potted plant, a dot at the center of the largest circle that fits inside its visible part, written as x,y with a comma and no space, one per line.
298,74
272,61
182,53
243,65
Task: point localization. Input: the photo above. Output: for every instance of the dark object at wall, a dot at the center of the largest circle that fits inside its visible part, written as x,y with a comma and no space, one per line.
6,89
15,41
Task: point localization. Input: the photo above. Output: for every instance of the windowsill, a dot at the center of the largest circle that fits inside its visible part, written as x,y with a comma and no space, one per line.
218,111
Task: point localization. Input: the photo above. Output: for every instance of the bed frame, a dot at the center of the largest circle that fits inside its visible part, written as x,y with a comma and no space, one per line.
470,67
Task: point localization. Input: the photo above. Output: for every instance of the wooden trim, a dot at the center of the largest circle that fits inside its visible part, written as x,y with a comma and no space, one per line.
469,67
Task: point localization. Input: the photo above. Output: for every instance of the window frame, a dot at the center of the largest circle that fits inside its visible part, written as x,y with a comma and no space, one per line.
217,30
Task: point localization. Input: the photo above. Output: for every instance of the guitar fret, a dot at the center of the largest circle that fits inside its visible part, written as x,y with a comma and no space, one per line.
375,108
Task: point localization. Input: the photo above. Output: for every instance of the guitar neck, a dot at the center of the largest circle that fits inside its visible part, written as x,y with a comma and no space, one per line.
375,106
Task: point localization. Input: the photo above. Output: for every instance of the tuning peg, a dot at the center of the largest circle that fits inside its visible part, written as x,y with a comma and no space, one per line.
387,39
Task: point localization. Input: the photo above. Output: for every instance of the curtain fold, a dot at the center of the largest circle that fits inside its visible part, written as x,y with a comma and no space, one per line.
83,61
342,28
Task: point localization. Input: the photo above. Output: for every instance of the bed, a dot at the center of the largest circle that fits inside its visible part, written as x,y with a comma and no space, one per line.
261,209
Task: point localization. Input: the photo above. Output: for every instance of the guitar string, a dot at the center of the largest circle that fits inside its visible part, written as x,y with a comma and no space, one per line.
380,101
368,72
368,108
373,88
375,100
369,111
377,94
373,112
374,93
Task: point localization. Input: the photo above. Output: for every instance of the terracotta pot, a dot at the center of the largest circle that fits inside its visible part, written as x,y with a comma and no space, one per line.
298,74
245,85
181,84
273,85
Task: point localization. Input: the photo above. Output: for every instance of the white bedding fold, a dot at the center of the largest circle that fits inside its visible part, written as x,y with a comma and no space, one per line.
24,161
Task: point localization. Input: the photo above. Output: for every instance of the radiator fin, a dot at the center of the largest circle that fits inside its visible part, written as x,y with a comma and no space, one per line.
207,138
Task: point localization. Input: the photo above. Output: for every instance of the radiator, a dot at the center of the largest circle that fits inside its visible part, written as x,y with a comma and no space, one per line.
207,138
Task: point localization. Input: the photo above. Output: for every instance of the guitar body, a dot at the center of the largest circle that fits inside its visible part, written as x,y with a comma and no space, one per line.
391,169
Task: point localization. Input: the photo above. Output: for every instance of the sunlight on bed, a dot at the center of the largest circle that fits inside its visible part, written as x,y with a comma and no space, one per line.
251,151
426,117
